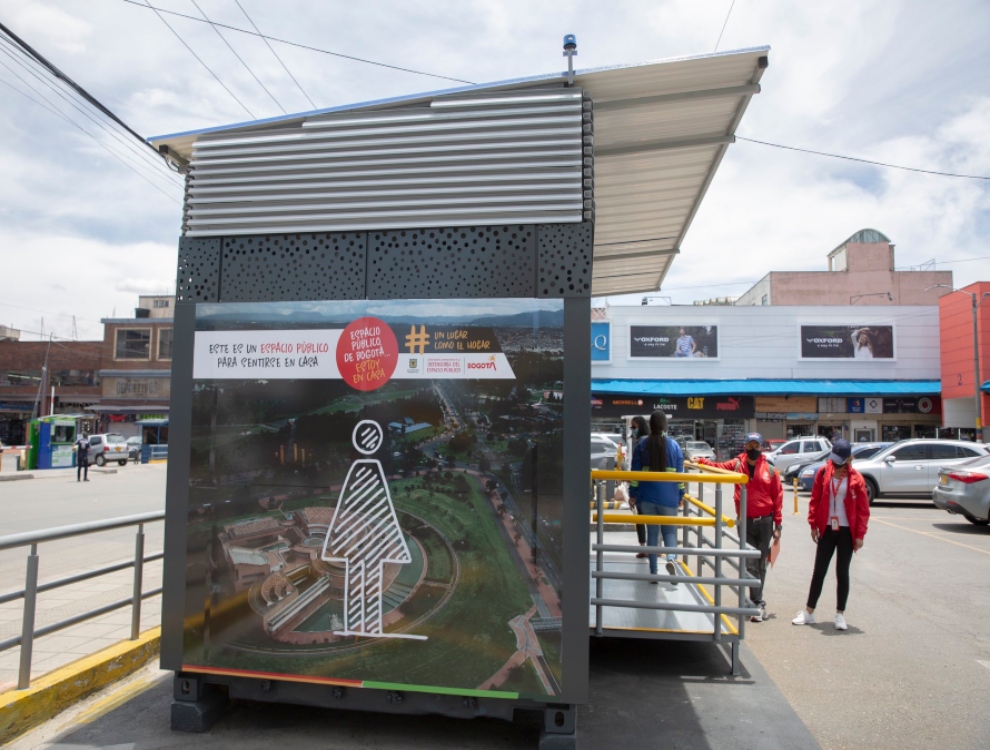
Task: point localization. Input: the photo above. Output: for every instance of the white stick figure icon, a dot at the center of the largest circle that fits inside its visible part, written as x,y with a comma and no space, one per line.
365,536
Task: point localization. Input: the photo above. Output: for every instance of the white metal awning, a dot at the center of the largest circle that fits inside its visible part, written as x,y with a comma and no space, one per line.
660,131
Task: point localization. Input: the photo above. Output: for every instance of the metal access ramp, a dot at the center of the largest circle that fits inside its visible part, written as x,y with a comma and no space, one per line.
686,606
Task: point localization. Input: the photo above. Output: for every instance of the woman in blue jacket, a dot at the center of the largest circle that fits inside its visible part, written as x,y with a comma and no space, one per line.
657,452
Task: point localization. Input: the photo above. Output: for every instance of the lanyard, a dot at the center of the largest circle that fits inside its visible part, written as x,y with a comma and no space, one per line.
836,486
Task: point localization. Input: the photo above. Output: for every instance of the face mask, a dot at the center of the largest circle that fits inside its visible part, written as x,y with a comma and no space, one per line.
753,453
635,432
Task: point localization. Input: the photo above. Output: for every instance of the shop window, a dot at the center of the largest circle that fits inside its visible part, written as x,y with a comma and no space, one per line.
893,432
165,343
925,431
133,343
20,377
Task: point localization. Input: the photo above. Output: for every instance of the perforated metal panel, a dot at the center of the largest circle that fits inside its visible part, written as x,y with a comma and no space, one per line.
198,274
293,267
465,262
565,260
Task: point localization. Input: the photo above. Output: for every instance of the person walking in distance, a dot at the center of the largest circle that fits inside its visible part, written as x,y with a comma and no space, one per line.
657,452
82,457
638,430
764,510
838,514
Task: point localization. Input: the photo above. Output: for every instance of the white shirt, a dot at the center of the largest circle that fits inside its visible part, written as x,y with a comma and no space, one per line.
837,503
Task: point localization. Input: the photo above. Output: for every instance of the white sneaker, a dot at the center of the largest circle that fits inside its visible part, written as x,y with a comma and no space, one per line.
804,617
840,622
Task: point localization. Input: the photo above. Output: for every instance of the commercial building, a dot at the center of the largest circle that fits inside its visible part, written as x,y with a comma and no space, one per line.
959,351
718,372
861,271
137,364
123,378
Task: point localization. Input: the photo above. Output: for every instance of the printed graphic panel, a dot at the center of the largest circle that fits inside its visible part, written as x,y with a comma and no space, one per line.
859,342
678,342
375,494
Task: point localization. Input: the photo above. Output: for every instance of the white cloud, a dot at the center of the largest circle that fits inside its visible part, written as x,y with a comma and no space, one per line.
901,81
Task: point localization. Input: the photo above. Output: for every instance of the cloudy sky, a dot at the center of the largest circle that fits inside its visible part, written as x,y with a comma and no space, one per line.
82,234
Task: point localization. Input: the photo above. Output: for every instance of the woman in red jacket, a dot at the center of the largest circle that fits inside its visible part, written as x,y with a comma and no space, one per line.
839,513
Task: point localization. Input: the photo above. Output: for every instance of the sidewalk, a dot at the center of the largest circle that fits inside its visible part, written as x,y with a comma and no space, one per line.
65,646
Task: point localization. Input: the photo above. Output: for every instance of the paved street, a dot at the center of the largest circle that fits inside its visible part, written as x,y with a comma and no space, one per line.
52,499
913,670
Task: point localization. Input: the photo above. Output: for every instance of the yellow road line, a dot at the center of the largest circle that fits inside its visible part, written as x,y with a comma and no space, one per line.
933,535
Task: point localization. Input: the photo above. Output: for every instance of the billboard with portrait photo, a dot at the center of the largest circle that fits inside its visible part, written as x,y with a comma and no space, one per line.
673,341
856,342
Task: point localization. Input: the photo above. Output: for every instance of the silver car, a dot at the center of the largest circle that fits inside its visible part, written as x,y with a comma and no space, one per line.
964,489
911,467
695,449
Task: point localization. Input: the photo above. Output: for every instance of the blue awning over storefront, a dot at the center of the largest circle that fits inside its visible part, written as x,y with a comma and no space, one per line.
985,387
771,387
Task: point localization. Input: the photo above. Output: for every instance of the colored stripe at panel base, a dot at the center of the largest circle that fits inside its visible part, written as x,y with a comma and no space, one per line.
313,679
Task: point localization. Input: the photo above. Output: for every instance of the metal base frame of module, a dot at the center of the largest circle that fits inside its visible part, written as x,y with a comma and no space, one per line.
523,262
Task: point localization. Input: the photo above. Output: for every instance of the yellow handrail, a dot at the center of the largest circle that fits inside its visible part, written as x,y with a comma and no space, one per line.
668,476
661,520
707,508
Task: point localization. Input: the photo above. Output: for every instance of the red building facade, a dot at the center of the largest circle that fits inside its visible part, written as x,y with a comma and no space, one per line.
959,355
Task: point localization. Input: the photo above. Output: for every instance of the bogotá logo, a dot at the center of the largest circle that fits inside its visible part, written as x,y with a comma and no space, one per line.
367,354
489,364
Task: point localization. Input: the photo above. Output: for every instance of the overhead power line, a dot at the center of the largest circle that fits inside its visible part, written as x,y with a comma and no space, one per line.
724,24
75,86
246,66
193,52
268,44
158,10
80,127
131,148
866,161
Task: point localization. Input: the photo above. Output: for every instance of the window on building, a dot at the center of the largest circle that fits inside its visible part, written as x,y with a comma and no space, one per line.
133,343
20,377
165,343
161,303
766,300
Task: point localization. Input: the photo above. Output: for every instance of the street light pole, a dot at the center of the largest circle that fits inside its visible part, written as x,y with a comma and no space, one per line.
976,364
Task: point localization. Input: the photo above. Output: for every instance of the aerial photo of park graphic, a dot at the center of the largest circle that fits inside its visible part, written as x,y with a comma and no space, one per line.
405,533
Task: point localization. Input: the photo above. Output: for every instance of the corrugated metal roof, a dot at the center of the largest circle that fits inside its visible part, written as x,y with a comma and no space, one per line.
661,129
768,387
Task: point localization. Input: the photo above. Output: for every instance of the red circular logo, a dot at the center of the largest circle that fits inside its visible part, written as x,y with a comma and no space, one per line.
367,353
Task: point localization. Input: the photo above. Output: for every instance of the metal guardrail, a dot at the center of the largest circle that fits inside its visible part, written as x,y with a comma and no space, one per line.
153,453
696,518
32,588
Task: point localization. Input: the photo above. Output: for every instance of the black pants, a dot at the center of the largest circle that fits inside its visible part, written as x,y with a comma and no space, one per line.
640,530
83,468
759,534
828,543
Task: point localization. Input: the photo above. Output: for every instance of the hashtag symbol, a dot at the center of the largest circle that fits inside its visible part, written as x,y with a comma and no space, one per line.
414,339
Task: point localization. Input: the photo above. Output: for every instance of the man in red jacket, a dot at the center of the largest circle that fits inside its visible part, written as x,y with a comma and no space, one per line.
764,509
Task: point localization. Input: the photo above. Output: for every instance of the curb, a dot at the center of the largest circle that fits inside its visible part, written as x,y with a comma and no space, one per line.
15,477
50,694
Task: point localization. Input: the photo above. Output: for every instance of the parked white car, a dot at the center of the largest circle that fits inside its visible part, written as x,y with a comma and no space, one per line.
695,449
798,450
911,467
